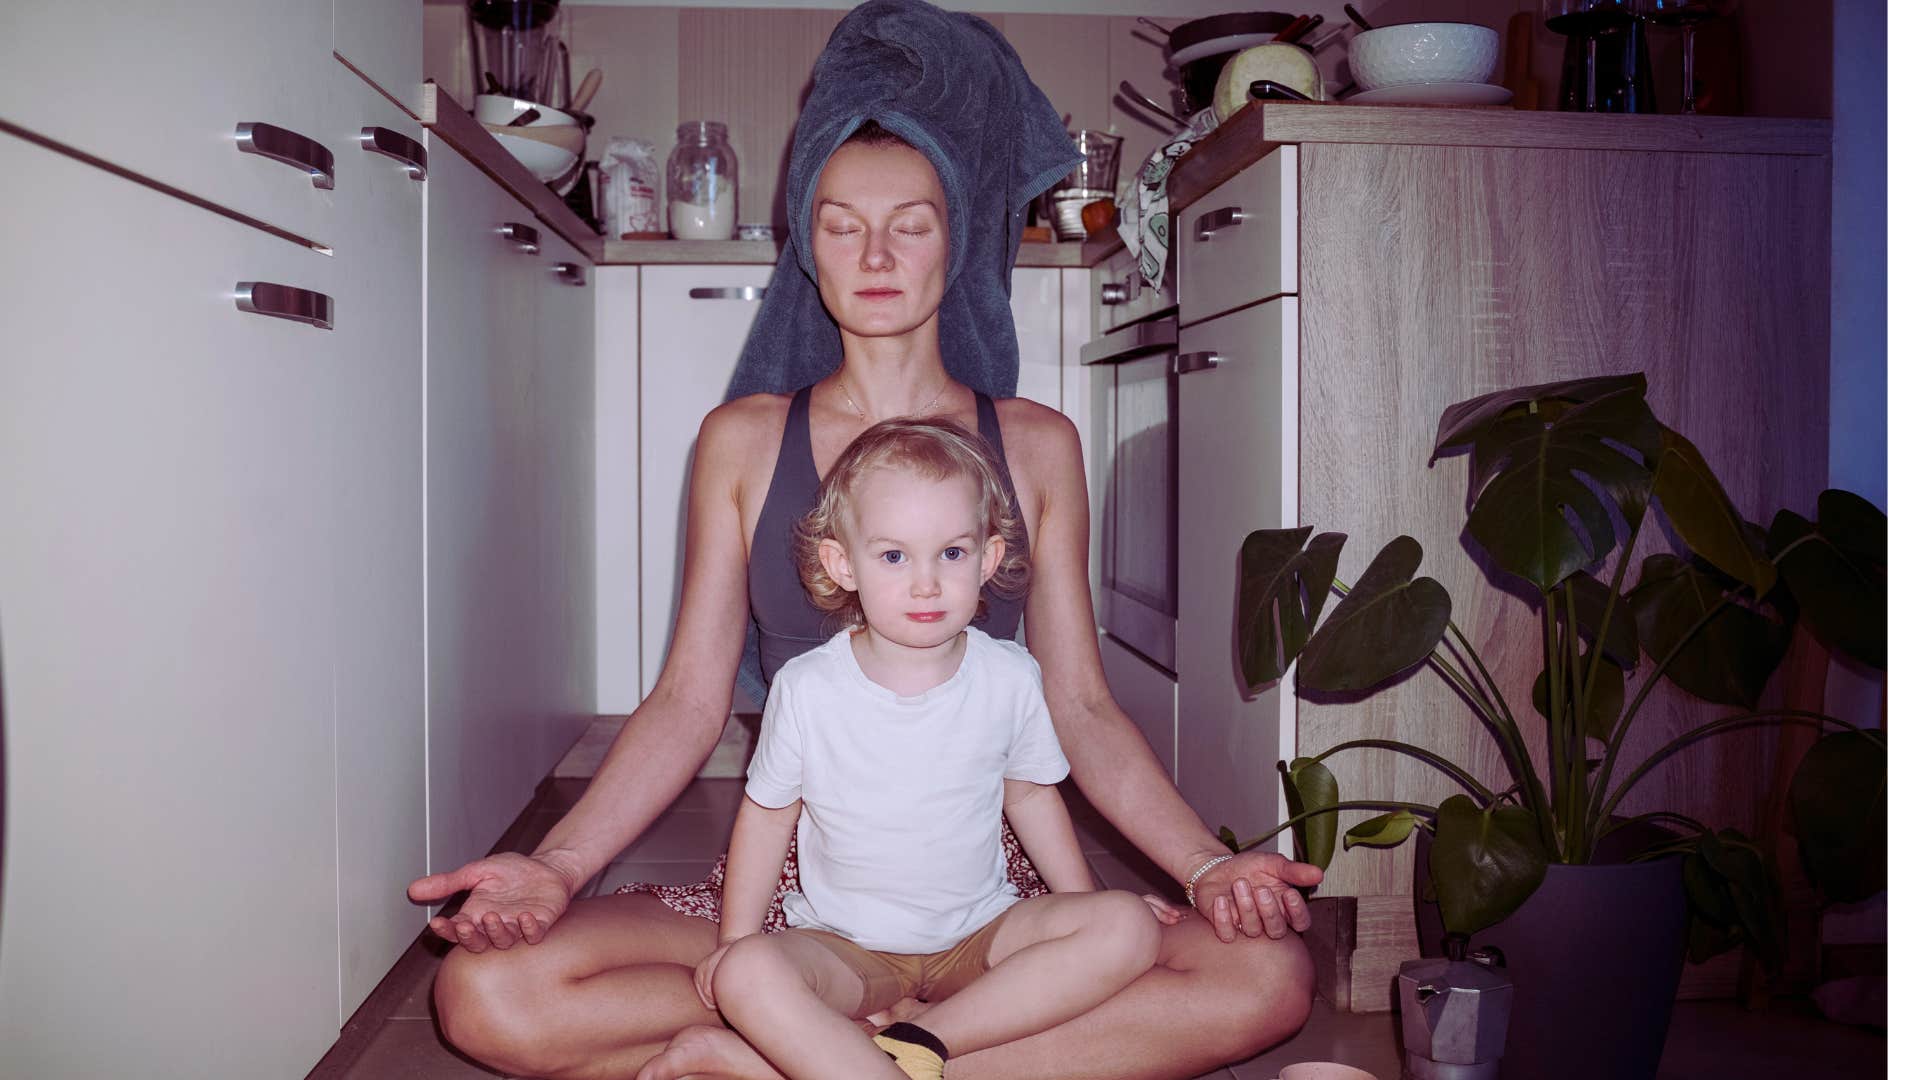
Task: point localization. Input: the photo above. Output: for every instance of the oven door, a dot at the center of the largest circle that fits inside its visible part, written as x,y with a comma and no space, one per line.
1135,398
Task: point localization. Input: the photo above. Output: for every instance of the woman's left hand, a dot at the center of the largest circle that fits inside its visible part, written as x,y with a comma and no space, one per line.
1256,893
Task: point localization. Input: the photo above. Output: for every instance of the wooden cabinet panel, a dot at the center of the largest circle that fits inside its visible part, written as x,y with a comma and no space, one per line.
1434,274
1239,452
1224,264
375,532
159,88
169,850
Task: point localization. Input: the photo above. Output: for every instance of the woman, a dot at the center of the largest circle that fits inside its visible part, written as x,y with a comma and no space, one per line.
602,990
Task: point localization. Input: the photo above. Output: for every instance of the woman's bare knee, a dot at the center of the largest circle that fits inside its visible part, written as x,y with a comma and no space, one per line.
488,1006
1271,986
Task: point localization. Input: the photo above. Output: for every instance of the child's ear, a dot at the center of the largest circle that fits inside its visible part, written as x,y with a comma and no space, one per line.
990,556
838,566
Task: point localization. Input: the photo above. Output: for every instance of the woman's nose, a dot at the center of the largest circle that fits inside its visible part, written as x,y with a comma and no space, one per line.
875,255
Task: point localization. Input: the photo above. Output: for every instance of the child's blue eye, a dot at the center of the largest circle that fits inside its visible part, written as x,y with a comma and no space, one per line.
894,556
954,554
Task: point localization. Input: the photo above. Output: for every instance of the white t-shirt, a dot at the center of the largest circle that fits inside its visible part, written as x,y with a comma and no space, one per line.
900,828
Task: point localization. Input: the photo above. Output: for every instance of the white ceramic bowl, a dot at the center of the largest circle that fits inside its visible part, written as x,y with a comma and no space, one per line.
500,109
545,161
1431,52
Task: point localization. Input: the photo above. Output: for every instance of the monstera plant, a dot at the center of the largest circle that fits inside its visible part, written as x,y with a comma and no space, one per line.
1563,484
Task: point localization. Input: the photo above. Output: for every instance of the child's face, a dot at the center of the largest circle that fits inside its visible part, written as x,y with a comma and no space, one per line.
917,553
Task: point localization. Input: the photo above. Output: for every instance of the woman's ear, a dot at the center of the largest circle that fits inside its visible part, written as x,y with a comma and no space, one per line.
990,556
838,566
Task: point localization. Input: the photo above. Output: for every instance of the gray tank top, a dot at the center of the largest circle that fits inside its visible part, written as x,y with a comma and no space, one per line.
787,621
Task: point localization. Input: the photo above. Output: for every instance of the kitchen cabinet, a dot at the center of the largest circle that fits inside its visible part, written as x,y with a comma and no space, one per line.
1385,263
158,89
509,505
168,576
374,532
383,40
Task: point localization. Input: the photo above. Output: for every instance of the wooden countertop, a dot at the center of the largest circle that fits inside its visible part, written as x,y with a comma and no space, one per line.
1248,136
1253,132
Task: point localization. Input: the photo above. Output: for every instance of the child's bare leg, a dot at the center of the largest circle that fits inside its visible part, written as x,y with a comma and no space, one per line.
1054,958
793,998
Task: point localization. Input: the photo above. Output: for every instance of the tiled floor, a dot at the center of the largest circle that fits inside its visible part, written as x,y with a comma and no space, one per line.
394,1034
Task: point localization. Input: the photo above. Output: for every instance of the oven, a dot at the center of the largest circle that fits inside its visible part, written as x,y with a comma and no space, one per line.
1133,421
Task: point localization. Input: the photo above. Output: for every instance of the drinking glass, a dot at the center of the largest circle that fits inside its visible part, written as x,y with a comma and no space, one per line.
1588,19
1687,15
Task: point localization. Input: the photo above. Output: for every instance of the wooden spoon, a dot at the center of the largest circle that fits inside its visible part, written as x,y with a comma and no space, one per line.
589,86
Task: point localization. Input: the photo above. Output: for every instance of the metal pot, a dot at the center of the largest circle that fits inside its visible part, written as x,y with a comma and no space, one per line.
1199,49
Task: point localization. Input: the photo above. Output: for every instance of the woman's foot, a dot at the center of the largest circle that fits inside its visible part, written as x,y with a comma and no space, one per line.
705,1052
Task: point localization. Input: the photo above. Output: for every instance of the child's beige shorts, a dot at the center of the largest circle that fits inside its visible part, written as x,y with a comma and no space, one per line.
887,977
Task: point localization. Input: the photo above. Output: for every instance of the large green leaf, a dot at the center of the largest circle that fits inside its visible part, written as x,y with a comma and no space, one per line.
1463,422
1704,516
1608,698
1309,785
1838,799
1538,472
1383,831
1485,863
1284,582
1842,595
1389,622
1731,891
1729,660
1590,603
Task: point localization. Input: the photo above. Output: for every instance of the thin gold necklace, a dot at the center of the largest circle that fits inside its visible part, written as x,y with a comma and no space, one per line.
922,411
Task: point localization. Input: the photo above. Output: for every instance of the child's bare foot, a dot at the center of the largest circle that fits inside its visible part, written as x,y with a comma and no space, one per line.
702,1051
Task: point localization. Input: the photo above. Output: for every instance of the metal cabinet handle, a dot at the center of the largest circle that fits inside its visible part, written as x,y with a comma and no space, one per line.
379,140
1189,362
570,273
524,237
1215,220
740,292
1114,292
284,302
288,148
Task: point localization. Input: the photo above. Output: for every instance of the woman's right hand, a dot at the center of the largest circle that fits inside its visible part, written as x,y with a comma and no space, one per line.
511,898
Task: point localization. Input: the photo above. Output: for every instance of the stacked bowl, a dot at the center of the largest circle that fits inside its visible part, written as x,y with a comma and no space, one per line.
549,144
1428,63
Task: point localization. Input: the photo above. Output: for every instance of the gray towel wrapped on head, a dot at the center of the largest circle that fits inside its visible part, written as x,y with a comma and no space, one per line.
953,88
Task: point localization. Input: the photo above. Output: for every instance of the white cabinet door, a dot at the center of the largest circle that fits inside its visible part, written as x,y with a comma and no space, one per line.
158,89
509,504
165,636
693,323
383,41
1239,460
375,531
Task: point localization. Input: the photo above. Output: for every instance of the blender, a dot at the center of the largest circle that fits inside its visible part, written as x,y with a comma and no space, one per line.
511,54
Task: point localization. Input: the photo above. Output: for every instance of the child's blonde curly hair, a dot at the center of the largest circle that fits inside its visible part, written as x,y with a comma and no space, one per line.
936,449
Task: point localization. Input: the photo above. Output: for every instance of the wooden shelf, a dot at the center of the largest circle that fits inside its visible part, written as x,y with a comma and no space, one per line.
446,119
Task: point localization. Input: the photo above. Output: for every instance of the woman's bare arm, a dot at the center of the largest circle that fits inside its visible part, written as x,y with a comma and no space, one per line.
1112,763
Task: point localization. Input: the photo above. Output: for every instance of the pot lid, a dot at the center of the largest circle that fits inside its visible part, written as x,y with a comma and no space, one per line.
1234,23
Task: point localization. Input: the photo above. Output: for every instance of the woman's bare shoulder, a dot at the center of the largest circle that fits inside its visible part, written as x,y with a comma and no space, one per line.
745,425
1037,436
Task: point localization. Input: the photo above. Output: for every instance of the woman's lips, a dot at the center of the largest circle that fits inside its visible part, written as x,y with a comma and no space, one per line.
877,294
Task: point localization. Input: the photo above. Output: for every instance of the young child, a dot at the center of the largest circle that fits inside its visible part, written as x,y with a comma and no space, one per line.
896,747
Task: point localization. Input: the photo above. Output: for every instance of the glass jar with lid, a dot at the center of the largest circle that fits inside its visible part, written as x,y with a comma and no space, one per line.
703,183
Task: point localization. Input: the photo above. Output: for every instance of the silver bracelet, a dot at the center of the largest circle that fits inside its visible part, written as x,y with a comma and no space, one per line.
1200,873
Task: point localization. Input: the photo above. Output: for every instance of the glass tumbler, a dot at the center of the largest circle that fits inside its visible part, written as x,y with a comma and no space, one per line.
703,183
1090,181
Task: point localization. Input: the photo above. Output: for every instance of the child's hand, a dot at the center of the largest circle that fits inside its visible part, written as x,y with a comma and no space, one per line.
703,974
1164,911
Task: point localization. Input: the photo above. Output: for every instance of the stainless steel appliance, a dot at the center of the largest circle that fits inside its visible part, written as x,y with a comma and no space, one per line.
1134,427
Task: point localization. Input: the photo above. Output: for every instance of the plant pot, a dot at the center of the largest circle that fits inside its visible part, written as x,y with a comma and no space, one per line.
1595,957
